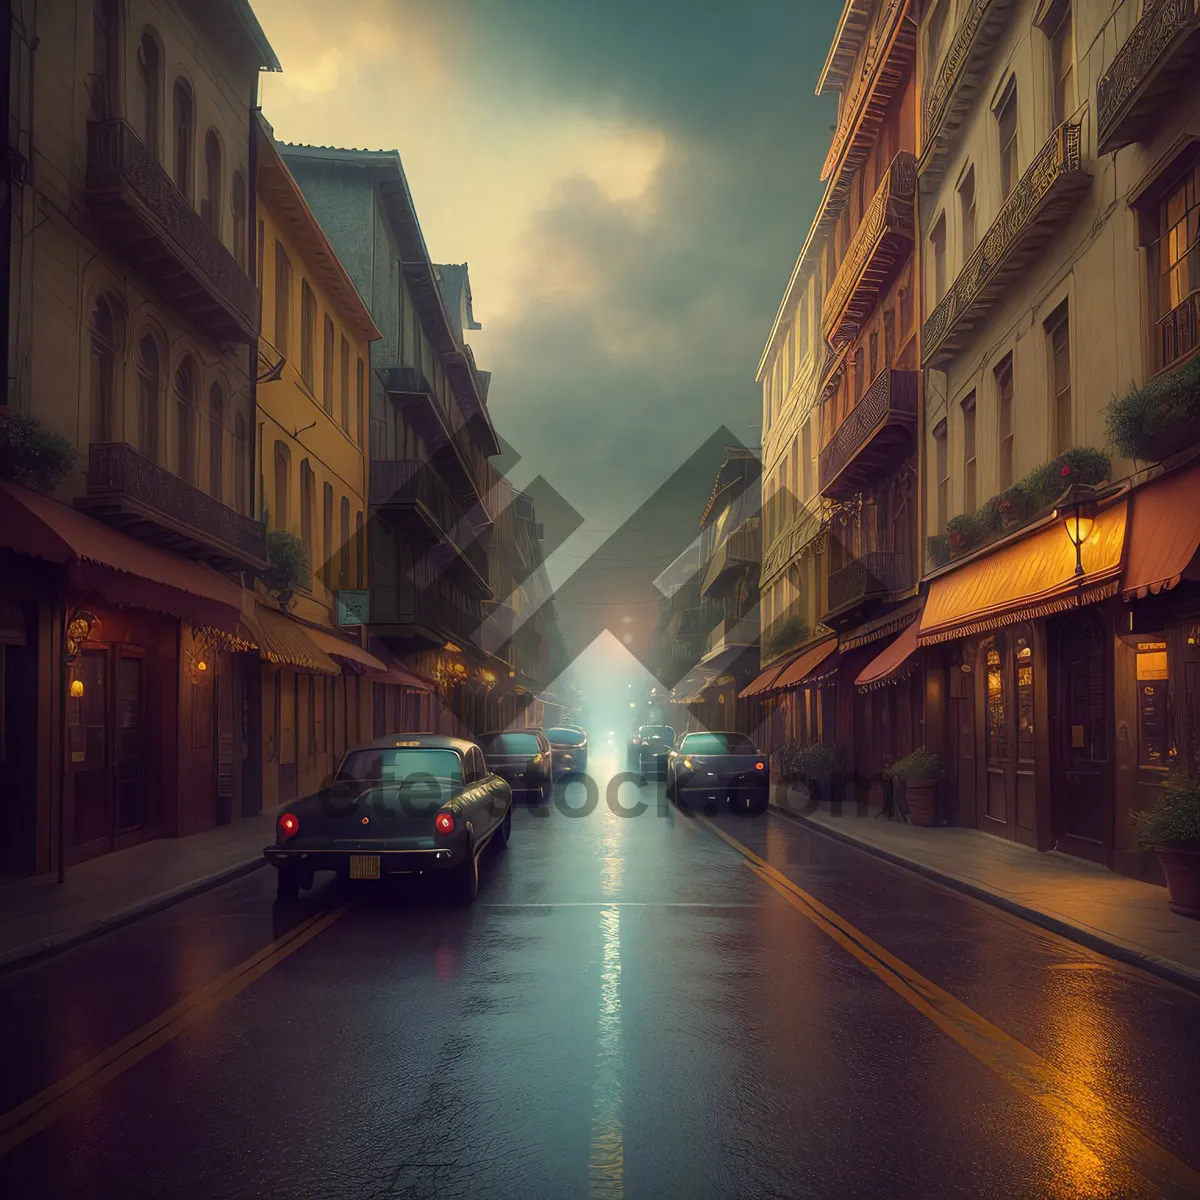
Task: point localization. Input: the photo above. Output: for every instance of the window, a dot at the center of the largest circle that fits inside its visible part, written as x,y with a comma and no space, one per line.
360,551
806,460
328,351
937,242
1058,337
283,483
283,298
1006,120
794,478
1178,268
210,203
327,536
104,371
345,385
241,465
889,337
149,70
149,389
344,547
361,387
941,458
1154,737
970,492
185,420
216,442
308,331
307,500
966,208
106,38
237,206
1004,405
183,137
1062,65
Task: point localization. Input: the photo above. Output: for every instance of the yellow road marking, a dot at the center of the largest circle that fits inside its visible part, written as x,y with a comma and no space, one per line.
1113,1138
35,1114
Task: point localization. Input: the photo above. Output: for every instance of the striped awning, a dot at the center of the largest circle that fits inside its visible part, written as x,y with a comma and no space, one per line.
1164,532
805,664
351,652
765,680
888,665
280,639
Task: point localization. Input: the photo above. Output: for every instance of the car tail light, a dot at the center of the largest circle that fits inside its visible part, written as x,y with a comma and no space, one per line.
289,826
444,822
760,766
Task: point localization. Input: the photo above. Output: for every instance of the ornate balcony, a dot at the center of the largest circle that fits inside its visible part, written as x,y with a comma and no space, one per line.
875,434
876,575
133,493
732,631
955,84
1160,50
1178,333
684,623
741,549
883,238
150,222
802,534
1032,214
413,498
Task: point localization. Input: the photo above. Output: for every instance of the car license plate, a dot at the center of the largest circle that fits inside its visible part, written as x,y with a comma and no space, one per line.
364,866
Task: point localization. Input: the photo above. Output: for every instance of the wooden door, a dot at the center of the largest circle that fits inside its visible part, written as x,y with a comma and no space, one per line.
996,811
129,738
228,736
285,719
962,688
89,755
1083,770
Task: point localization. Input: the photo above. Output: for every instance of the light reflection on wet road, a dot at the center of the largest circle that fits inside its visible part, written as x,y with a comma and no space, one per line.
632,1008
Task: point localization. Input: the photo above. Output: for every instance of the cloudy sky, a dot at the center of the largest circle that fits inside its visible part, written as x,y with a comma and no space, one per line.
629,180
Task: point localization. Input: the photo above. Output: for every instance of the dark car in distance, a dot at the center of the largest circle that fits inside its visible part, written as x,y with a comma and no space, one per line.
569,744
522,758
649,748
719,766
401,805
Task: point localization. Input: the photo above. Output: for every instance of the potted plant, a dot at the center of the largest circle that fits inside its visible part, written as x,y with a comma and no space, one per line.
288,568
1171,828
920,772
813,765
938,547
31,455
1154,421
1015,506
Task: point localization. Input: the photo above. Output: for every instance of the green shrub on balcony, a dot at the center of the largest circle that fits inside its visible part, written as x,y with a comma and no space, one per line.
31,455
938,548
288,567
785,634
1152,422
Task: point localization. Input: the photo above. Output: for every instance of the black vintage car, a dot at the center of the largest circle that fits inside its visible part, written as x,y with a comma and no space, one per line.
569,745
649,748
522,758
400,805
723,766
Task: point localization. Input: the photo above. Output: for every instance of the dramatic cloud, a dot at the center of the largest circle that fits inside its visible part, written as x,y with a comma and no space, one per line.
630,182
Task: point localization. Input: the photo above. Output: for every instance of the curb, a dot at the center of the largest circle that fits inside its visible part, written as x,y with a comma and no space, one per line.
32,952
1176,973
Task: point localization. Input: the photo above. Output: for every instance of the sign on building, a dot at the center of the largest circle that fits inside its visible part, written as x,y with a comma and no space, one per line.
353,607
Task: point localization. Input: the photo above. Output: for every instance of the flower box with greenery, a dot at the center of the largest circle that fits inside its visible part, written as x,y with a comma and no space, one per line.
31,455
920,772
811,764
288,568
1026,500
783,635
938,549
1171,828
1161,417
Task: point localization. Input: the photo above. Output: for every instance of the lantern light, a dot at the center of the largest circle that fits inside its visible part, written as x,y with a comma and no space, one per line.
202,665
76,688
1077,511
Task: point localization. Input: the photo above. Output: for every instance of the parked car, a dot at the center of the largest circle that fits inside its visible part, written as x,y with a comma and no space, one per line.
649,748
521,757
719,766
401,805
569,744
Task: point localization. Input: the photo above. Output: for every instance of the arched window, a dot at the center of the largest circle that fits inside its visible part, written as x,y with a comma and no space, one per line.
283,484
149,390
149,64
241,465
105,40
210,203
238,207
104,371
216,442
184,121
185,420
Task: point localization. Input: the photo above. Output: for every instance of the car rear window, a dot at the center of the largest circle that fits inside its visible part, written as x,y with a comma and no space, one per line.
658,731
717,743
509,743
397,765
566,737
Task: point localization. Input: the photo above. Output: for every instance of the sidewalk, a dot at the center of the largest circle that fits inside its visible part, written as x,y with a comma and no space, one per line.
40,915
1120,917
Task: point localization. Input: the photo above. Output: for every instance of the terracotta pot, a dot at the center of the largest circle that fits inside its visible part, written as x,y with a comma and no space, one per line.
920,795
1182,869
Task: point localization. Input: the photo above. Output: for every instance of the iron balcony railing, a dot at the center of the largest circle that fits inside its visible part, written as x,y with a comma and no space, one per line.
874,574
136,493
882,422
732,631
140,210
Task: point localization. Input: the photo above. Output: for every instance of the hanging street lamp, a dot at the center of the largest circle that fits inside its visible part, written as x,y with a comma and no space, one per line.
1076,509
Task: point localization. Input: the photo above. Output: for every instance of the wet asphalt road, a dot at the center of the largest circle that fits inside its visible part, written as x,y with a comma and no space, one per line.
634,1007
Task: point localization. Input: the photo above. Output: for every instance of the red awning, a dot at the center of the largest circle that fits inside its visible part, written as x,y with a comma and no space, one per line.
765,680
885,665
805,665
119,568
1164,532
350,652
402,677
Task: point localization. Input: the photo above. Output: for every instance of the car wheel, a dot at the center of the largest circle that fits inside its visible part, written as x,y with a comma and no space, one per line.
464,879
287,886
505,830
